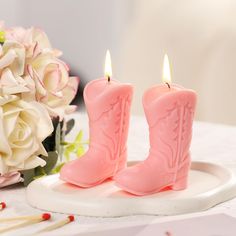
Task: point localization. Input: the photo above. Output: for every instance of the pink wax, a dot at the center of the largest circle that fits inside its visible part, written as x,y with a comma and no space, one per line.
98,87
108,107
169,113
155,92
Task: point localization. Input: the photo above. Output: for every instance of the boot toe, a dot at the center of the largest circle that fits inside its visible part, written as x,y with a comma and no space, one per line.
84,172
128,180
141,179
74,174
68,174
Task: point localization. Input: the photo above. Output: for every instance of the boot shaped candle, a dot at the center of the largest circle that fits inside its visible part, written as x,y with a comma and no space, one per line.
108,106
169,111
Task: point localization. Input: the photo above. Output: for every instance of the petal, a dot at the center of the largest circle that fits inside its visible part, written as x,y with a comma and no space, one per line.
33,162
4,145
38,84
42,60
15,90
10,122
39,36
11,84
7,59
15,33
51,78
10,178
7,78
1,52
56,112
44,127
70,109
3,167
70,90
20,155
16,66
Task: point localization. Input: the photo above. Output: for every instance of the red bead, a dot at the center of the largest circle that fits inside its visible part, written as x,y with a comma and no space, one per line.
71,218
3,205
46,216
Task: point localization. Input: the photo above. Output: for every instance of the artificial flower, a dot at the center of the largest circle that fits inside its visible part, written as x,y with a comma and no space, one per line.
23,127
35,87
53,87
10,178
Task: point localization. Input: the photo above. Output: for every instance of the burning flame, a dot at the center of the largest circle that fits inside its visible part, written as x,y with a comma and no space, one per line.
166,74
108,68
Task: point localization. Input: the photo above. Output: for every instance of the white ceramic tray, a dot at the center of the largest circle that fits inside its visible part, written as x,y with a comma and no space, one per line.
209,184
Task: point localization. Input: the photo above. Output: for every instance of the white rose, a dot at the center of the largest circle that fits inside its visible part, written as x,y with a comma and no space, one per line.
10,84
12,56
23,127
12,63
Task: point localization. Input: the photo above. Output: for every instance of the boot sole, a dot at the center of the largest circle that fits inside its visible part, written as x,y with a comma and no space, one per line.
174,186
82,185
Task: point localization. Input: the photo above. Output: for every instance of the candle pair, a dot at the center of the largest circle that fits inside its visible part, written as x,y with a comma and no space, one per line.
169,111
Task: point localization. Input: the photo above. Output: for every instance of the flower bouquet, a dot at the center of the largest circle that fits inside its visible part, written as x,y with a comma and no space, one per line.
35,93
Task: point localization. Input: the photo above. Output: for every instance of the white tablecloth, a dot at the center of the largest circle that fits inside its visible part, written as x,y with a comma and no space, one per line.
211,142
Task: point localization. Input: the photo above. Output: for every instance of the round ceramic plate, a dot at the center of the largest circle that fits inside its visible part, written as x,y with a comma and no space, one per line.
209,184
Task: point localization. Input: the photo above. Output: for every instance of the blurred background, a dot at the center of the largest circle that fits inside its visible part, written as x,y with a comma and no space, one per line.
199,37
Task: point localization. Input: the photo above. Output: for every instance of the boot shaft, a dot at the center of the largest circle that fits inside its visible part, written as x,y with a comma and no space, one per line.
170,121
109,118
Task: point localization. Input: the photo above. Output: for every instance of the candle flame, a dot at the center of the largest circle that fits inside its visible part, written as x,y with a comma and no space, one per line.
166,73
108,68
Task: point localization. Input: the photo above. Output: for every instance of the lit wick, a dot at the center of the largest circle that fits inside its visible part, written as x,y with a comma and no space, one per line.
108,68
168,85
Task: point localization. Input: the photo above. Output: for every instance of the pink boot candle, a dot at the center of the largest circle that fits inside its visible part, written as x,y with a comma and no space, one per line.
169,111
108,105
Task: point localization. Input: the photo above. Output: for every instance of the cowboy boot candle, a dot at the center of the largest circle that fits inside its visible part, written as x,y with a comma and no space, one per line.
169,111
108,105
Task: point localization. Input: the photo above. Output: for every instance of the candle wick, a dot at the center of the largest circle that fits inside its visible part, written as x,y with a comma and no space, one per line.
108,78
168,85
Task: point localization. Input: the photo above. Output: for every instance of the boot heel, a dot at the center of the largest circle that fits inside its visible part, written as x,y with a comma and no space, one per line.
180,184
181,181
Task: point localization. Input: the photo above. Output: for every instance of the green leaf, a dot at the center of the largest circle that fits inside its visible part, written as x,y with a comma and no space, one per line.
67,155
28,176
71,147
58,138
69,126
51,161
63,143
50,142
39,176
80,151
79,137
57,169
